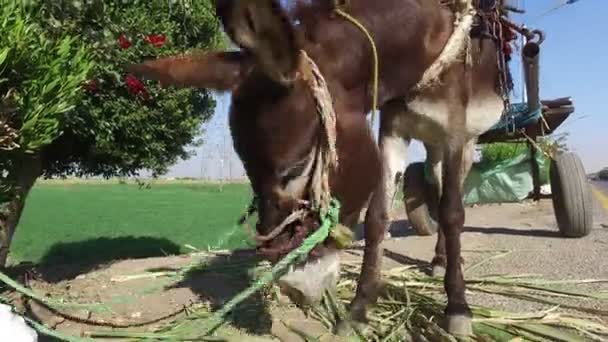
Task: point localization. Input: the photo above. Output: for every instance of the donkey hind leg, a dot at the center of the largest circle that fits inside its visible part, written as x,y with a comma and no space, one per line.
435,156
368,286
451,218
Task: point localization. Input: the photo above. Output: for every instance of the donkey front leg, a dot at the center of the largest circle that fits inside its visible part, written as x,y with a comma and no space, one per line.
451,220
435,157
368,285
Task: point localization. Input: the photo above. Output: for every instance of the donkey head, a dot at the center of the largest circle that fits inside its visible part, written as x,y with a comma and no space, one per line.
273,122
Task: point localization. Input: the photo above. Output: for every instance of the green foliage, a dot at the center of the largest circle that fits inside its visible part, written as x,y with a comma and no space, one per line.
603,175
41,75
492,154
40,80
123,124
554,144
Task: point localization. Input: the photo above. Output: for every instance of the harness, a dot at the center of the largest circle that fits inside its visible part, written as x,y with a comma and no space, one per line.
489,24
311,212
486,20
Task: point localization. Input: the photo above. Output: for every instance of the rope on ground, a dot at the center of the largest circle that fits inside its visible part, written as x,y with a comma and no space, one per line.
55,307
328,222
458,42
44,301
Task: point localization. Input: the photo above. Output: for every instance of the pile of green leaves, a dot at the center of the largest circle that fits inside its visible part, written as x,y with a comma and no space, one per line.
496,153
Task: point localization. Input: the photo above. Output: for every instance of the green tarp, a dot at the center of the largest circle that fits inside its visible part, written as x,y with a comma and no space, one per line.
508,181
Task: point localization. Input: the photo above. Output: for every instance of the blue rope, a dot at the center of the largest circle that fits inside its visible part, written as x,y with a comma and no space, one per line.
519,116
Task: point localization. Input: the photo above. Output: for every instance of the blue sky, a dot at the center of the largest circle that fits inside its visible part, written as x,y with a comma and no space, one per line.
573,63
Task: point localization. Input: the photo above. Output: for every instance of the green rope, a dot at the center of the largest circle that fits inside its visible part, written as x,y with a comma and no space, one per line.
328,221
45,301
43,329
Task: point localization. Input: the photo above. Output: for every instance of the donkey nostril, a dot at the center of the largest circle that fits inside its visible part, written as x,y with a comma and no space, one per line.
296,296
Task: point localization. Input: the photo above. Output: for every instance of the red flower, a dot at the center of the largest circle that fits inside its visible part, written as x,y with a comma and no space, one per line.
135,87
123,42
157,40
507,49
90,86
508,34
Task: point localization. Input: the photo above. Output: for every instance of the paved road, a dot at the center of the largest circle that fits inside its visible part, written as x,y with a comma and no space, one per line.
601,194
602,185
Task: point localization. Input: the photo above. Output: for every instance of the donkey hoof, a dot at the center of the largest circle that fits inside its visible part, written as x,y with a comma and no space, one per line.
438,271
342,329
347,329
460,325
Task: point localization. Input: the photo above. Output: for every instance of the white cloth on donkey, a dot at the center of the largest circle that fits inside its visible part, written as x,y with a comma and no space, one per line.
13,327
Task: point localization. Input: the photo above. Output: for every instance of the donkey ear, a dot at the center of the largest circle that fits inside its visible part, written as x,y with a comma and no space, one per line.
220,71
263,28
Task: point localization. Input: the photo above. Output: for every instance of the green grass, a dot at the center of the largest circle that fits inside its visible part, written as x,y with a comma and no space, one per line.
97,222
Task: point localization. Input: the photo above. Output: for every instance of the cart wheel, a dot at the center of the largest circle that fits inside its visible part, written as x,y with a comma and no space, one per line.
572,199
416,198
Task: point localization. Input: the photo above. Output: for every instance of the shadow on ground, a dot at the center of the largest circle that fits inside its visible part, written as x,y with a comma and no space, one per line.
397,228
421,265
513,231
221,279
65,261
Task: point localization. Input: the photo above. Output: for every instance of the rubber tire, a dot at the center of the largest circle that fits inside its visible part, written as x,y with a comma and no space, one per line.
416,199
572,196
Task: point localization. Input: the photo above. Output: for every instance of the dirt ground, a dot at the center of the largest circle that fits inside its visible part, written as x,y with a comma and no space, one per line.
527,230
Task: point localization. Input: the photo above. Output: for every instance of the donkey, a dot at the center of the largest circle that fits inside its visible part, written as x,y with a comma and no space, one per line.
275,127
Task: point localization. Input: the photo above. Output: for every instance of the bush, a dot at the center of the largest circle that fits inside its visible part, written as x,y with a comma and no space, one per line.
603,175
62,66
124,124
40,78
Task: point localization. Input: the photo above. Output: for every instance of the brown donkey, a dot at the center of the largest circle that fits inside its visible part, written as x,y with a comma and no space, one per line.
275,127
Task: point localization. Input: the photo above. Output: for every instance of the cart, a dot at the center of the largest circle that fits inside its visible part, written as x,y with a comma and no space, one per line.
571,193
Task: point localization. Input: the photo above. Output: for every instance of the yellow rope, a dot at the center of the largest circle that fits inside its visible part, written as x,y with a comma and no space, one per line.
355,22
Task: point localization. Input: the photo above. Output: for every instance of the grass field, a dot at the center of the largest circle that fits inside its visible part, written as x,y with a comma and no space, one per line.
104,221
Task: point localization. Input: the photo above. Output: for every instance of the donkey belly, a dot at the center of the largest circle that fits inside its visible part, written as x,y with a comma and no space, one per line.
436,121
483,112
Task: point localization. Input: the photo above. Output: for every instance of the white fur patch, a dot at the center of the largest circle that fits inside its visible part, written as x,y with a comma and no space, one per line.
435,111
483,113
296,187
312,279
429,120
395,149
394,155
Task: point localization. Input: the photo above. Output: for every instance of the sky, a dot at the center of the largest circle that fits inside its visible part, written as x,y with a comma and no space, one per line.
573,63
